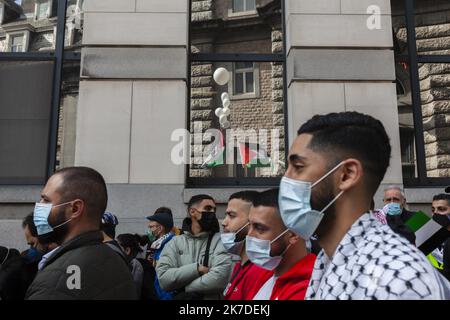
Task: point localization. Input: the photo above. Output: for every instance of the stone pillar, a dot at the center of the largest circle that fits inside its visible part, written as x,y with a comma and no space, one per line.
132,98
337,63
277,97
202,94
435,98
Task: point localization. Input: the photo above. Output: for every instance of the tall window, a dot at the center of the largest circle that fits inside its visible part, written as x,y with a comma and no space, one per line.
244,78
237,97
243,5
35,83
421,28
42,10
17,43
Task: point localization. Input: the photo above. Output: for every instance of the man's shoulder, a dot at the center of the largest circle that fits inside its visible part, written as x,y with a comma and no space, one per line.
394,265
98,254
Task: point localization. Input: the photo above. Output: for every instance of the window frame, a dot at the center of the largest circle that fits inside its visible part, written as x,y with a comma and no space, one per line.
208,182
232,13
256,85
11,44
59,56
413,59
37,9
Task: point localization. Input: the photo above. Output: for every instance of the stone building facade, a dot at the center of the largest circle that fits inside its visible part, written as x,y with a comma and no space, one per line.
132,93
433,38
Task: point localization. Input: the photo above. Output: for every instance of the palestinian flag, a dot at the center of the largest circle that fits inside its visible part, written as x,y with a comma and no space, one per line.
253,155
216,157
429,234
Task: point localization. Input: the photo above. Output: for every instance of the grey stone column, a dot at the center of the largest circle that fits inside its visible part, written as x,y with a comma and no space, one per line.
339,60
132,98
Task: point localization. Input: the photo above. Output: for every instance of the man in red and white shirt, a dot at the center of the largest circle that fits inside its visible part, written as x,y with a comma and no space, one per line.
283,254
245,278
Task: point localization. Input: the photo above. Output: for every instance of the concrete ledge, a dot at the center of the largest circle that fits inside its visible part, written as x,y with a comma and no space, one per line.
162,5
134,63
336,6
335,30
20,194
109,6
361,6
152,29
316,64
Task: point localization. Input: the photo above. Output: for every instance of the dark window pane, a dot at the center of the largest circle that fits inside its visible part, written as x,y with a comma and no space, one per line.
238,5
25,91
250,5
249,82
239,83
243,65
406,121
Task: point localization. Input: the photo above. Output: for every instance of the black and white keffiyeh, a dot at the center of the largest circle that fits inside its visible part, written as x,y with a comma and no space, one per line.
373,262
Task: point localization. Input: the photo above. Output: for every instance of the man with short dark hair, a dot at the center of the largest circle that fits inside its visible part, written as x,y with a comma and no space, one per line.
336,164
195,263
69,213
440,257
282,254
235,228
108,228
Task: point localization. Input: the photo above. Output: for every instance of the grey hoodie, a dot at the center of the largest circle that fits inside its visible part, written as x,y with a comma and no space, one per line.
177,265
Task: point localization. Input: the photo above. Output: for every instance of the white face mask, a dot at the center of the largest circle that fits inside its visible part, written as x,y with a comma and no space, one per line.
295,205
258,251
228,241
40,217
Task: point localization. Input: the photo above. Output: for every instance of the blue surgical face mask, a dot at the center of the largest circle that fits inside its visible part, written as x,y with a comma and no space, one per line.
295,205
393,209
40,217
258,252
228,241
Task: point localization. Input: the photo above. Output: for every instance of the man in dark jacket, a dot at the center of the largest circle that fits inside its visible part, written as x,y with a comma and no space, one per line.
70,212
440,257
397,214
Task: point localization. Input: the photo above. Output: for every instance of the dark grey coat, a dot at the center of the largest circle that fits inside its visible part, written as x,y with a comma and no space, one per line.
103,273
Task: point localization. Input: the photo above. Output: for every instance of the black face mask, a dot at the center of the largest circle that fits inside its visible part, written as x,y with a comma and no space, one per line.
443,220
208,222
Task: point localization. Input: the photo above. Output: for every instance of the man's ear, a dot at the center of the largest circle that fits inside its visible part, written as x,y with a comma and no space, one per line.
350,174
293,237
77,208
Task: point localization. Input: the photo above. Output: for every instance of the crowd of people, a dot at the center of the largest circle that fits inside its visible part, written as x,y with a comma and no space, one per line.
317,236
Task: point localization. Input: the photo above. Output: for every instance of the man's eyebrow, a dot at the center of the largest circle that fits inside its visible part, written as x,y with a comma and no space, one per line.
259,224
296,157
43,196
